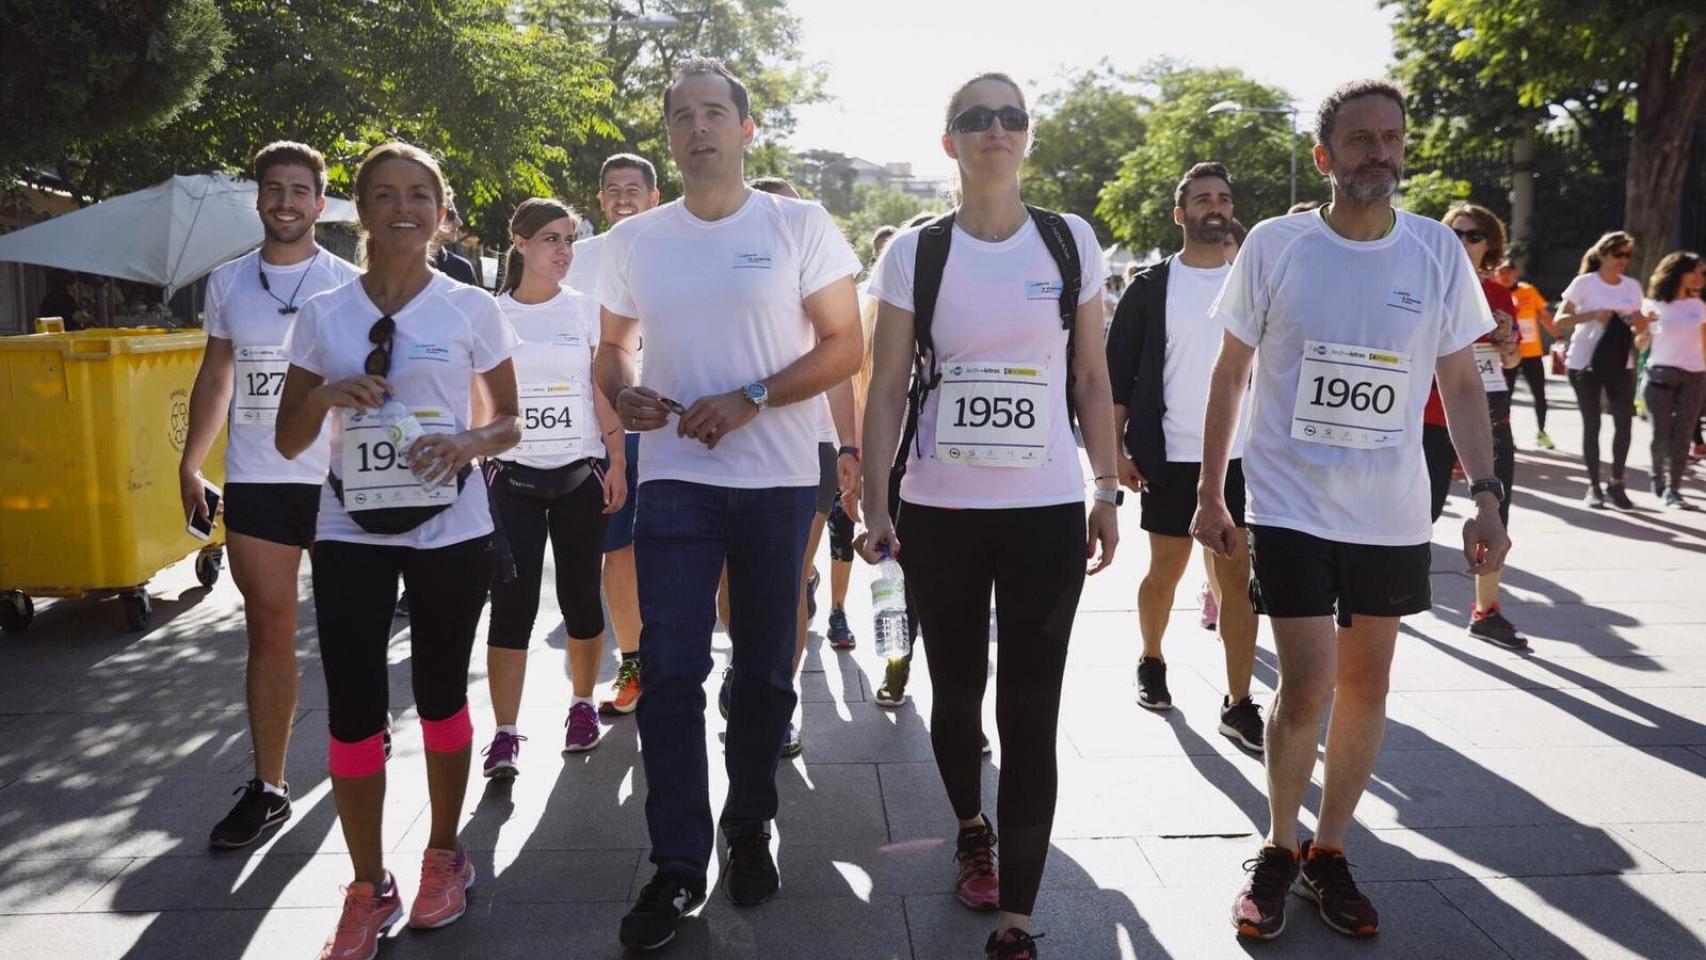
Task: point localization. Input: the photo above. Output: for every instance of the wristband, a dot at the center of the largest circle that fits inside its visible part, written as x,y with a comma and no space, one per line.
849,450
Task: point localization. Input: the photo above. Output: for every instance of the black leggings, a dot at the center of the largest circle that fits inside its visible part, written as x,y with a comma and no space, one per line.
355,592
1533,370
1034,560
840,533
1619,389
575,523
1441,456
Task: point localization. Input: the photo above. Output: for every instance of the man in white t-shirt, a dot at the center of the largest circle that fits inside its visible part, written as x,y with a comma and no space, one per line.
1351,310
748,311
627,187
1161,350
270,504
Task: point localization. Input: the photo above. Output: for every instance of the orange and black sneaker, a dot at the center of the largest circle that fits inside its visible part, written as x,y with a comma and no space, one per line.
1259,910
625,691
1326,879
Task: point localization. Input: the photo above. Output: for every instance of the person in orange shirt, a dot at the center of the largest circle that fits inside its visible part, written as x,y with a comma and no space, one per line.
1531,315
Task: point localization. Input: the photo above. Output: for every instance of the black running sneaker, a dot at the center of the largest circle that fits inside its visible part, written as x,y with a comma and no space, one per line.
1618,496
256,811
1011,944
1259,910
1152,684
1496,630
1326,879
752,877
1242,723
655,915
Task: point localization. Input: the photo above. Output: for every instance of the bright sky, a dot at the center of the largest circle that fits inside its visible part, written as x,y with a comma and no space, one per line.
892,63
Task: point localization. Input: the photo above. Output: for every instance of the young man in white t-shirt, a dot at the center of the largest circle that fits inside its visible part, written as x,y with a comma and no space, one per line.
1351,310
271,504
1161,350
746,304
627,187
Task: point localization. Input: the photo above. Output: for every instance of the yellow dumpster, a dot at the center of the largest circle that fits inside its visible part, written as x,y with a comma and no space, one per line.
92,425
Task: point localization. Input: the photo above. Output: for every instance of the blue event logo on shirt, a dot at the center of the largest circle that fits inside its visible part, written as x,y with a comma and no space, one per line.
1404,300
430,351
1042,290
752,261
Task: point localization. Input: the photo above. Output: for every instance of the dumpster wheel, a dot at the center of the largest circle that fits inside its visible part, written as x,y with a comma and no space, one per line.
17,611
138,609
208,563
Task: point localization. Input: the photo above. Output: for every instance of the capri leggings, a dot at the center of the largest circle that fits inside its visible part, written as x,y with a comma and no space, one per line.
840,533
575,523
1033,558
355,592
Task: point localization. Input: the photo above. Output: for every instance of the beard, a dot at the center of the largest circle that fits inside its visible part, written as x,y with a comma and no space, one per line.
1205,232
1368,184
285,232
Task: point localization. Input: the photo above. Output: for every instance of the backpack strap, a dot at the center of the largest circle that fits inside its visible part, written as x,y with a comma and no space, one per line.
929,261
1057,237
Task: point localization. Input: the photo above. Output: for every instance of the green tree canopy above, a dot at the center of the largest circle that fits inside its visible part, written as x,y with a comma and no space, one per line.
1080,134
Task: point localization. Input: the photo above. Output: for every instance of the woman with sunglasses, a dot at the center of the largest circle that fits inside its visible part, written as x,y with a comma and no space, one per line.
554,483
389,360
1676,369
1602,298
973,515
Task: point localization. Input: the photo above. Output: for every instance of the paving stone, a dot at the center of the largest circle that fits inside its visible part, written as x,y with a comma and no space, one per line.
1596,918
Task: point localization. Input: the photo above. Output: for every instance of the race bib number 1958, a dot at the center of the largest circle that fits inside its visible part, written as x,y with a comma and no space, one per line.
993,414
1350,396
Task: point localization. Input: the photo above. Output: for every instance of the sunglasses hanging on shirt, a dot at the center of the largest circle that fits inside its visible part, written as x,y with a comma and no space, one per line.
286,308
979,119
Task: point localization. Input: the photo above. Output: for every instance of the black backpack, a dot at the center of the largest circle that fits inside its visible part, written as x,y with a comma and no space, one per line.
930,261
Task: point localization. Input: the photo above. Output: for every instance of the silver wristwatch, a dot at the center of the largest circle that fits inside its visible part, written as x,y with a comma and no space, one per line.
1115,496
758,393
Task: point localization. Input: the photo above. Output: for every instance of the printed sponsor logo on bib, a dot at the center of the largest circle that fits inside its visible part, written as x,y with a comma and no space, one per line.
260,382
375,473
752,261
1351,396
1491,368
1042,290
1404,300
993,414
437,352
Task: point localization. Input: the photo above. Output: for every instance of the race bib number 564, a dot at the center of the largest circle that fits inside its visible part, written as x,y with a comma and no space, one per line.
1350,396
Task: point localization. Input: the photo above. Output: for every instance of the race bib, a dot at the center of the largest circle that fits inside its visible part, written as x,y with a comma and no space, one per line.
993,414
1492,369
260,382
552,418
374,473
1351,396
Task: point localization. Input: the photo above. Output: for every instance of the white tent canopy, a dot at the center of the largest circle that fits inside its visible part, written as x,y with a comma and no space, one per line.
170,234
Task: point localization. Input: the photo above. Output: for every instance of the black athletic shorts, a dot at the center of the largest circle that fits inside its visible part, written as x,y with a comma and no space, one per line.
1294,574
828,487
280,512
1168,510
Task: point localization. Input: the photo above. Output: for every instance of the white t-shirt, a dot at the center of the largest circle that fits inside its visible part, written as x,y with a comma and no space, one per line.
1588,293
999,303
721,305
553,373
1193,342
583,268
445,335
1411,294
241,311
1676,335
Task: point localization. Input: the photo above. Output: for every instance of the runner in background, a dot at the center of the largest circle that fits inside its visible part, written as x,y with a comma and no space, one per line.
1532,316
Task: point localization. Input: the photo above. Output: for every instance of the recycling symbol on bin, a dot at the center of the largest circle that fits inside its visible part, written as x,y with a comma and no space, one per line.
180,418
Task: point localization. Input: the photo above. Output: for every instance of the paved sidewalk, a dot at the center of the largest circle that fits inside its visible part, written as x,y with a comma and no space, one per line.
1549,805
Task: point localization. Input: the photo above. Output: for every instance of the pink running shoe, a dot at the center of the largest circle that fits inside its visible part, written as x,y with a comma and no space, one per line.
368,914
443,897
978,886
1210,609
583,729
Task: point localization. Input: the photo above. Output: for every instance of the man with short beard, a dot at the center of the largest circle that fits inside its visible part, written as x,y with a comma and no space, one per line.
271,504
1352,309
1161,350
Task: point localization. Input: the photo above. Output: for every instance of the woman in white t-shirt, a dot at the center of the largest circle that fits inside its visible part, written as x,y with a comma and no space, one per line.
1676,369
555,483
390,360
1601,297
993,495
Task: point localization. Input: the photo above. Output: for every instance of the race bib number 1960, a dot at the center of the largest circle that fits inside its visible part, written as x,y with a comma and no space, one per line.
260,382
1349,396
993,414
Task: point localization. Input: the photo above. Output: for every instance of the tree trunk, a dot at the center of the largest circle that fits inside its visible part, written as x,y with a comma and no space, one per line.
1668,112
1522,198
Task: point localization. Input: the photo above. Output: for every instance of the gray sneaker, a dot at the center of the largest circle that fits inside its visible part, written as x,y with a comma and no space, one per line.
1498,631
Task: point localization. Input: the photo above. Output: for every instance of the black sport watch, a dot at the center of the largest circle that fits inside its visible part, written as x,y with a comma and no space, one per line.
1494,486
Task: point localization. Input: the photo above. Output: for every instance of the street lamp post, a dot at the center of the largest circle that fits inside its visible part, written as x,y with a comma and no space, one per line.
1232,106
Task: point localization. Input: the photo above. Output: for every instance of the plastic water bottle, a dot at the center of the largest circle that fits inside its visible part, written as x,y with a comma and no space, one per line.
888,600
401,424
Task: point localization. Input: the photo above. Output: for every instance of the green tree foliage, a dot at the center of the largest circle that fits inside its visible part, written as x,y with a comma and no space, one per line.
1081,132
1178,132
1430,194
71,70
874,206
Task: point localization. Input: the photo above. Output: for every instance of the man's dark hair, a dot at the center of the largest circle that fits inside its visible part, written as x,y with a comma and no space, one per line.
1327,114
629,161
777,185
708,67
1239,231
281,152
1211,168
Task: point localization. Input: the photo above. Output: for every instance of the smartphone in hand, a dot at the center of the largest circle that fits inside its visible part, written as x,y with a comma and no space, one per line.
199,526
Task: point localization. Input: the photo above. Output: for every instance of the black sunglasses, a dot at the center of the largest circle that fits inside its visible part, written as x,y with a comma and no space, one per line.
978,119
378,363
1623,255
1472,236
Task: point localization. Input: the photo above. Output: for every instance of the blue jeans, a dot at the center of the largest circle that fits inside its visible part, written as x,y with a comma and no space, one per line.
683,534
